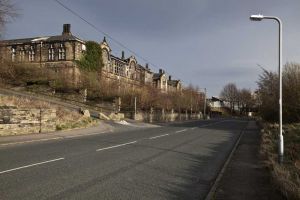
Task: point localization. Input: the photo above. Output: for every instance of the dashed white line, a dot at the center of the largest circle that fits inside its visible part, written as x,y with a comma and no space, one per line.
181,131
158,136
35,164
119,145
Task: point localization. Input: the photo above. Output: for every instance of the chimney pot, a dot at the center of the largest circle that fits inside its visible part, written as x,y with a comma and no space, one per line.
123,55
66,29
147,66
160,71
170,78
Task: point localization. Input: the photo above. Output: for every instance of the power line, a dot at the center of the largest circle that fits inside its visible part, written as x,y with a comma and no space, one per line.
107,35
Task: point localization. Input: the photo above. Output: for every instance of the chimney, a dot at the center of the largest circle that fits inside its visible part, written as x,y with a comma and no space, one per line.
67,29
160,71
123,55
147,66
170,78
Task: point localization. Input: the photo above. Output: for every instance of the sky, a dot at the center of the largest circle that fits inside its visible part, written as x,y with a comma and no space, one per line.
207,43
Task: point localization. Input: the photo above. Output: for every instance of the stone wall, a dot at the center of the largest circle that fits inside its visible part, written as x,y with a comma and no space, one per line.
15,121
163,116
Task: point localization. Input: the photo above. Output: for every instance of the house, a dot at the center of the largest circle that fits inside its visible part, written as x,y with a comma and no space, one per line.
174,85
160,81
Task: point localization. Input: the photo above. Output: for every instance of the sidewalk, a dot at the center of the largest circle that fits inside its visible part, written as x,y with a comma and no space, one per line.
102,127
245,176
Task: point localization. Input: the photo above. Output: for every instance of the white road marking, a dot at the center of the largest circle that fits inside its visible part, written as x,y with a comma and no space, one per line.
119,145
158,136
35,164
181,131
193,128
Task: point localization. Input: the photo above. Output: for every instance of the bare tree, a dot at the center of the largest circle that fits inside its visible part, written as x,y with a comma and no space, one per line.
246,100
8,12
230,94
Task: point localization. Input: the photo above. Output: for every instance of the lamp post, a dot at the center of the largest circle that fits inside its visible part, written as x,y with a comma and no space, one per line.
204,109
259,18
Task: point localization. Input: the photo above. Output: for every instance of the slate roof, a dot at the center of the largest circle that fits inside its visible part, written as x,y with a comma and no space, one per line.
173,82
117,58
157,76
56,38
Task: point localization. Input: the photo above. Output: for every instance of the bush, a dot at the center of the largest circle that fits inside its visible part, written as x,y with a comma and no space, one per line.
268,94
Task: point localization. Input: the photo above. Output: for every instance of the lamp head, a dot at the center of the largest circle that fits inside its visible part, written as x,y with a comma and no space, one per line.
256,17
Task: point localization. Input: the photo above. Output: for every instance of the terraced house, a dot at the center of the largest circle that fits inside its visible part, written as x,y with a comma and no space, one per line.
61,52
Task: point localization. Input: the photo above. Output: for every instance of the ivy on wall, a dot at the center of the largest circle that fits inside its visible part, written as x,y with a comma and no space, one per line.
92,58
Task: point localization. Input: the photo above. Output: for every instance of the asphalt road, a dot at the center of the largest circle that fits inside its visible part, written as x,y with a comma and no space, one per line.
176,161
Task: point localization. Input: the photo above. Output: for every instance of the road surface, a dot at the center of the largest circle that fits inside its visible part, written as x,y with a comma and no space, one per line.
175,161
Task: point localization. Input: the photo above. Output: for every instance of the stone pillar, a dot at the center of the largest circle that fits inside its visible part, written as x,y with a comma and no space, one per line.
151,115
186,115
172,117
84,95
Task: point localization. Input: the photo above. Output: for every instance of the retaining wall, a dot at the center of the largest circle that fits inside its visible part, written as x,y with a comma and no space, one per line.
15,121
162,116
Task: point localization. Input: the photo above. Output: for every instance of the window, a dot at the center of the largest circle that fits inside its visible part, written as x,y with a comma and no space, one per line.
22,54
61,52
13,54
117,69
31,54
51,53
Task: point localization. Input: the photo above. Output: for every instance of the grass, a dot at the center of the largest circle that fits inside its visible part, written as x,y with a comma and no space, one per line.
66,119
286,176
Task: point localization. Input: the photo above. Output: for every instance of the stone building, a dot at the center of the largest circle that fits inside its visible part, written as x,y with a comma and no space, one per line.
127,70
61,52
174,85
160,81
47,49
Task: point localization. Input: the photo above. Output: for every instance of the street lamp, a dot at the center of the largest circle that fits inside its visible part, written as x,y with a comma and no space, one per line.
259,18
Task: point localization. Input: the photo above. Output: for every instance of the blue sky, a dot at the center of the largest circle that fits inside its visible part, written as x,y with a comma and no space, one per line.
204,42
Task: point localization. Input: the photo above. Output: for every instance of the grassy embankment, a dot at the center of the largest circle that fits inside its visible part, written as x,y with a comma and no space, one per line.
286,177
66,119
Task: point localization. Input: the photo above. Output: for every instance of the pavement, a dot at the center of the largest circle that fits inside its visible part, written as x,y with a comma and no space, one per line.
246,177
177,161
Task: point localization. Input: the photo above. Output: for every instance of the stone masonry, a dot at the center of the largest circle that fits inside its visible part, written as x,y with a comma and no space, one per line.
15,121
